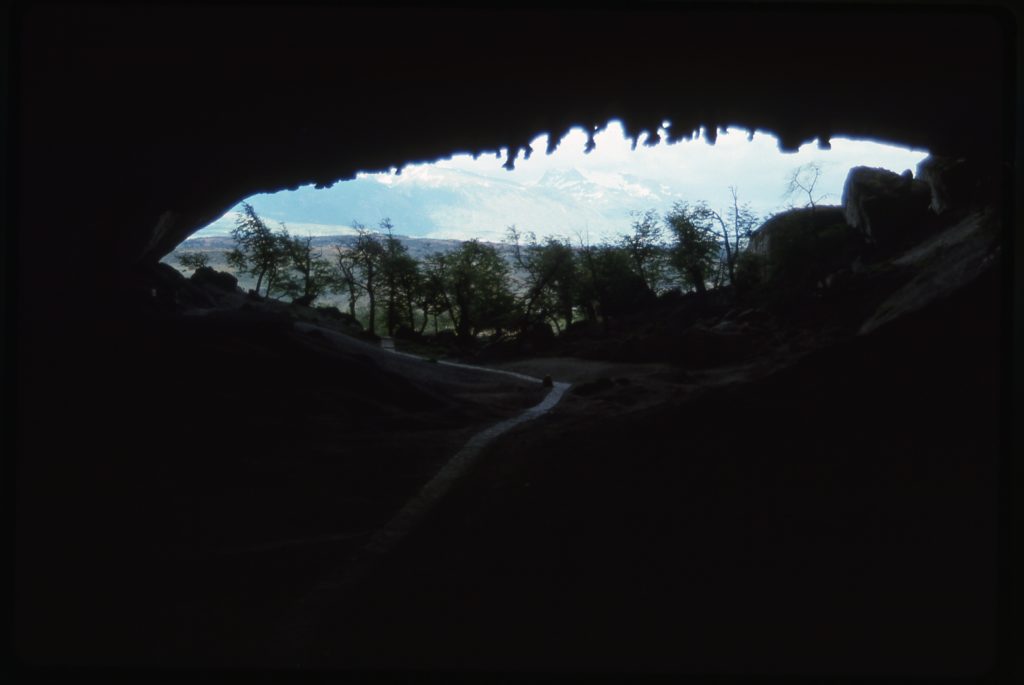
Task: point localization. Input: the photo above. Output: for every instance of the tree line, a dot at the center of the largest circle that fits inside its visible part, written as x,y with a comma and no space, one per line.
475,288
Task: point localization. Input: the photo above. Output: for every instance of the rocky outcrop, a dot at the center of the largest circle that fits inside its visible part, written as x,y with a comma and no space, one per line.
942,265
336,314
794,224
887,208
952,182
797,248
206,275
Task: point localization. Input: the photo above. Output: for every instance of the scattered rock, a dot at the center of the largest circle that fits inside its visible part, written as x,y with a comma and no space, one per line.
594,387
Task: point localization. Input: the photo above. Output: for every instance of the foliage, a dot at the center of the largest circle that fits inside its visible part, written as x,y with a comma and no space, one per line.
646,249
368,258
259,252
551,277
194,260
310,275
695,254
474,279
400,280
609,286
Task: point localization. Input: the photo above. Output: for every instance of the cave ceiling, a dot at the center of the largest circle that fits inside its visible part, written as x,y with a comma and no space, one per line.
153,120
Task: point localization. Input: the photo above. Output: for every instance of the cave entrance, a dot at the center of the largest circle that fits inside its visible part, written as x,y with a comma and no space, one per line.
590,193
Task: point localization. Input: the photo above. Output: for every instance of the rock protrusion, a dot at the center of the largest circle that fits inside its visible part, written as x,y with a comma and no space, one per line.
952,182
886,207
206,275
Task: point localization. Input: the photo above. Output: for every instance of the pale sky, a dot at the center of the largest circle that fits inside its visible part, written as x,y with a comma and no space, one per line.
689,170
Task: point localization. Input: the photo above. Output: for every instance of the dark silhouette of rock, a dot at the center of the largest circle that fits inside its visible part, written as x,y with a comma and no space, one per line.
796,249
791,225
206,275
888,208
953,182
304,300
336,314
166,288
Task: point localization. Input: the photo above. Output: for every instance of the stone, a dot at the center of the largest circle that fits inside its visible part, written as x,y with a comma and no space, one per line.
206,275
950,181
766,241
336,314
886,207
796,248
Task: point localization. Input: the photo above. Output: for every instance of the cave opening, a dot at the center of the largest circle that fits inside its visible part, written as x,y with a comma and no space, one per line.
598,189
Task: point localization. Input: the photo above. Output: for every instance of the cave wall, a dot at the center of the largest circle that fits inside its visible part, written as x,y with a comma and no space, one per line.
138,125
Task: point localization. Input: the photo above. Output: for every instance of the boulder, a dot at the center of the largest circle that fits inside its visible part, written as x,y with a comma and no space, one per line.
886,207
952,182
170,290
792,224
206,275
336,314
798,247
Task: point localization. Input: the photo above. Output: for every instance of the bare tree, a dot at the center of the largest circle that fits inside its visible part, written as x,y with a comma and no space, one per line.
802,181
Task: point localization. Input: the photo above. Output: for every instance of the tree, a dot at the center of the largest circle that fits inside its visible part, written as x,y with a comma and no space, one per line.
744,221
476,289
802,181
368,253
434,290
549,276
258,251
608,284
696,250
311,275
400,279
346,276
193,260
645,247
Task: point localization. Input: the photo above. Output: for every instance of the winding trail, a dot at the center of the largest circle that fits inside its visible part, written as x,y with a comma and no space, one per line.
303,618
